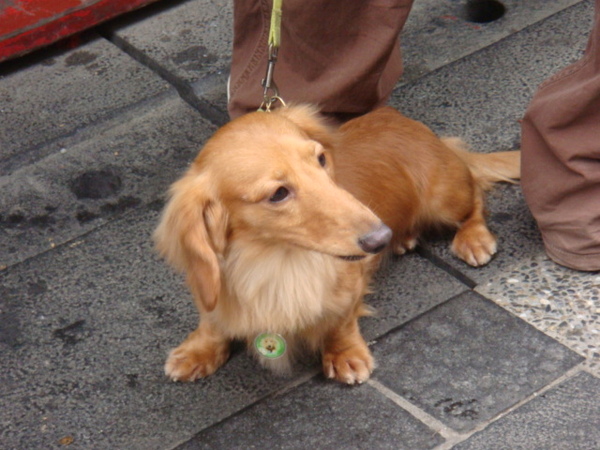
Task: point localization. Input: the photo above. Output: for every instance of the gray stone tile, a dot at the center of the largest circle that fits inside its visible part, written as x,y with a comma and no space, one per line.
46,104
85,330
190,43
566,416
404,288
482,98
468,360
192,39
320,415
40,207
438,33
563,303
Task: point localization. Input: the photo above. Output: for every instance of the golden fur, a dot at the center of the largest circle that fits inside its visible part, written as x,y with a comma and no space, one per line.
269,225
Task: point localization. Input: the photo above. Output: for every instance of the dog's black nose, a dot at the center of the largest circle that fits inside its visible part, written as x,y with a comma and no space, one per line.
376,240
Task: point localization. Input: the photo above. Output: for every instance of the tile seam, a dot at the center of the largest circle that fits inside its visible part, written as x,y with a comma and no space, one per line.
305,378
427,419
539,326
453,437
441,264
184,89
458,438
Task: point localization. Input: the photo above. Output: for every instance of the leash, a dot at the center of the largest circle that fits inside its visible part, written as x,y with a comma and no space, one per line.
270,91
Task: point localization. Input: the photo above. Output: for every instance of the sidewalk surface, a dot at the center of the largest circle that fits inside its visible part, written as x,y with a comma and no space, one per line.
502,357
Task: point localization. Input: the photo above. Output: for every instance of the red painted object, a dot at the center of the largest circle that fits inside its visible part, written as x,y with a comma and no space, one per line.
26,25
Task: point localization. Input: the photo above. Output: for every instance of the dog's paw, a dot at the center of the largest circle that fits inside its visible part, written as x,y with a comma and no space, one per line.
405,245
189,362
475,245
351,366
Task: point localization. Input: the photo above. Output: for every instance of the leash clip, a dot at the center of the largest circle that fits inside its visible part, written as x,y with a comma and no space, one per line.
270,90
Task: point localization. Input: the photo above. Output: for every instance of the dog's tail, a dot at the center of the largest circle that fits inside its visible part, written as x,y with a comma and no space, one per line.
488,168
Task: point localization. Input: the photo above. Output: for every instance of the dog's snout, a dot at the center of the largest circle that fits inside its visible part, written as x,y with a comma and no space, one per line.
376,240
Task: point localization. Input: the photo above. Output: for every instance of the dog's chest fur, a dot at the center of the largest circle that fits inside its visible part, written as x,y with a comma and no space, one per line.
277,289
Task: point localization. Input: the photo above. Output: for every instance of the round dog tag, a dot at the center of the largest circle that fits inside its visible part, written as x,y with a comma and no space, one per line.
270,345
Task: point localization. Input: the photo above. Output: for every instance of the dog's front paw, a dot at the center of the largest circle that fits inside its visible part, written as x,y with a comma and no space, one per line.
350,366
475,245
193,360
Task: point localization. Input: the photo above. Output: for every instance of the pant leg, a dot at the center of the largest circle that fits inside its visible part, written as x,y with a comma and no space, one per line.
342,55
561,160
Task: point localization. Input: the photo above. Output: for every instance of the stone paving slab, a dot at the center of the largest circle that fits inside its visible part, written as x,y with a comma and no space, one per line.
566,416
404,288
81,187
563,303
191,40
439,32
482,98
320,415
187,43
45,102
468,360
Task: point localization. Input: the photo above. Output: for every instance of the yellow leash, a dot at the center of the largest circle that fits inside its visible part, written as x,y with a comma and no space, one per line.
275,30
270,91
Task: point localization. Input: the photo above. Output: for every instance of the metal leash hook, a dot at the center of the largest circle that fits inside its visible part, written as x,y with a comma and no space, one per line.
270,91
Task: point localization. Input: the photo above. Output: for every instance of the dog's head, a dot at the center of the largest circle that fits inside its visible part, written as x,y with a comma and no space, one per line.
266,178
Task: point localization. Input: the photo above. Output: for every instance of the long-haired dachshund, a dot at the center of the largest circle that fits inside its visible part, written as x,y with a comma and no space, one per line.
281,220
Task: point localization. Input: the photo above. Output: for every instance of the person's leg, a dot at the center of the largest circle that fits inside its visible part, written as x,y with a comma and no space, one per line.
341,55
561,160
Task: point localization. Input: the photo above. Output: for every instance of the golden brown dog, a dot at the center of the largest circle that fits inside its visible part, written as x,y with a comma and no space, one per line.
279,224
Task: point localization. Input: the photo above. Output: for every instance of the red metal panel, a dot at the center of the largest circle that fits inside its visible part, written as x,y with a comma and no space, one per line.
29,24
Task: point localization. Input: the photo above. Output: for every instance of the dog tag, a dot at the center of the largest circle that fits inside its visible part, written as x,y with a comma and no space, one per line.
270,345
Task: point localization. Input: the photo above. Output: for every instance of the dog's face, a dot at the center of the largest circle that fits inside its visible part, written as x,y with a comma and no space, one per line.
268,178
276,182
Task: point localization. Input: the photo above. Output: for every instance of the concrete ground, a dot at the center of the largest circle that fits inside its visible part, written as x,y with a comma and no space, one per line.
502,357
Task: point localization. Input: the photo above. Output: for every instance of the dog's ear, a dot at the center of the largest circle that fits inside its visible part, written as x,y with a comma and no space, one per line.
191,236
309,120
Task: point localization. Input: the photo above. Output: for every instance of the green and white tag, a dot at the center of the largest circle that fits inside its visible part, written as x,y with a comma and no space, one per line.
270,345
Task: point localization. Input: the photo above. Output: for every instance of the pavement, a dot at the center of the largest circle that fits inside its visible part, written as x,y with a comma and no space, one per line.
91,135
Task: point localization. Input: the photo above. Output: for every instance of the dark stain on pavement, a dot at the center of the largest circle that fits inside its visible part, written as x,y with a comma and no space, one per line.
71,334
80,58
37,287
20,221
96,184
466,409
194,58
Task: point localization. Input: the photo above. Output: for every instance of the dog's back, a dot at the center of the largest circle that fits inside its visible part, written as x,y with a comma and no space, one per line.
414,180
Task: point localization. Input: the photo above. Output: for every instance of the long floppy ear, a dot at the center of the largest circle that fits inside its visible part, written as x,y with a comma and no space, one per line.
192,235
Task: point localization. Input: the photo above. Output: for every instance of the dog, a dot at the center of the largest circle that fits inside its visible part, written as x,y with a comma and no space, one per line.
282,219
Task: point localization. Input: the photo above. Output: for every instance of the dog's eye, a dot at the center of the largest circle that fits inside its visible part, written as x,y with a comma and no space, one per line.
322,160
280,195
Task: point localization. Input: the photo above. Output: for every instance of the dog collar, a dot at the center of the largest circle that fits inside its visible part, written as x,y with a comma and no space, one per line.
270,345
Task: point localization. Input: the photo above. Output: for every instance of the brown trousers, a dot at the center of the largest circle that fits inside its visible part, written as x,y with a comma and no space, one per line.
561,159
342,55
